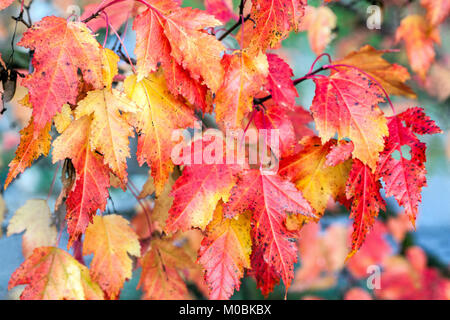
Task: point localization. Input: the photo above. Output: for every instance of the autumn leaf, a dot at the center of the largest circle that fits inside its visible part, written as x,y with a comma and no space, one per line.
110,129
274,117
437,10
418,36
221,9
317,181
32,145
279,82
270,198
165,30
162,266
34,217
319,22
363,189
199,189
53,274
346,103
404,176
90,191
225,252
160,114
391,76
265,275
339,153
272,22
244,76
60,49
111,240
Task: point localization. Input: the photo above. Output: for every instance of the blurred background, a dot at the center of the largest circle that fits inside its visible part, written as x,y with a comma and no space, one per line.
413,265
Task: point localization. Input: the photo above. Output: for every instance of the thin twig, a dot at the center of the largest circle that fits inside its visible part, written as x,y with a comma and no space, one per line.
233,27
260,101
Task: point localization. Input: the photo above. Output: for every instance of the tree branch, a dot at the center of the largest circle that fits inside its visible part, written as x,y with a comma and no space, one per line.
260,101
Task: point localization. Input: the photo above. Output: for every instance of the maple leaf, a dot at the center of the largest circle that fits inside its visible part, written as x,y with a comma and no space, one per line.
53,274
244,76
273,117
363,189
279,82
199,189
159,114
270,198
391,76
265,275
32,145
225,252
339,153
317,181
165,30
164,201
437,10
272,22
346,103
111,240
90,191
405,178
180,82
319,22
161,277
34,217
418,36
221,9
5,4
110,129
61,48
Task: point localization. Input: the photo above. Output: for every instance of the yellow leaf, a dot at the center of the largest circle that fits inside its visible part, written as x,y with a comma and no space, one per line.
110,129
34,217
159,115
317,181
111,240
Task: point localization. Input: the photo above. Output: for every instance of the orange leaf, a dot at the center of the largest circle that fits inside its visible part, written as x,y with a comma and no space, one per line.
111,240
61,48
32,145
418,36
225,252
90,191
346,103
53,274
161,277
244,76
391,76
159,115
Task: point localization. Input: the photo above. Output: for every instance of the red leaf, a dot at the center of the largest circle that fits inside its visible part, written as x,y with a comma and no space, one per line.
279,82
339,153
54,81
405,178
346,103
270,198
363,189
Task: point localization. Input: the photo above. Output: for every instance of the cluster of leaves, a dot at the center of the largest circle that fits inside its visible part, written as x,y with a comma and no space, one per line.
249,220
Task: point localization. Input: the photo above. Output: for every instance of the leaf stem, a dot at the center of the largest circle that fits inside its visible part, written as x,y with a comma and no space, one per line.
257,101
